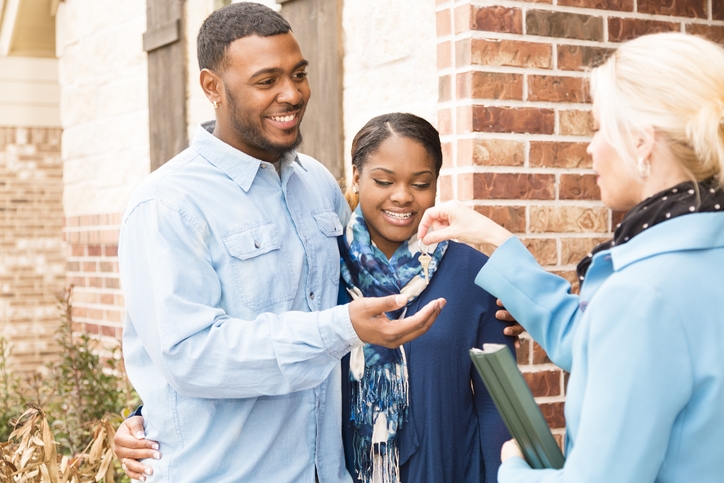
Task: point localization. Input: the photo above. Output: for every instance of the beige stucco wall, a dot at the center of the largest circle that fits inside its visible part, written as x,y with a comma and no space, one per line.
104,102
390,61
29,92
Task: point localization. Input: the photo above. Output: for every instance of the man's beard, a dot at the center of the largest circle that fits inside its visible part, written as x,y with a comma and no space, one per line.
253,135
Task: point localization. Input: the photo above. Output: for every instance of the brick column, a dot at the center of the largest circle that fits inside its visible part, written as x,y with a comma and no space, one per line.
515,118
98,307
32,263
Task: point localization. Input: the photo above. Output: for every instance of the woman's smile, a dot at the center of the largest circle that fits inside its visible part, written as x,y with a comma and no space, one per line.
399,218
396,186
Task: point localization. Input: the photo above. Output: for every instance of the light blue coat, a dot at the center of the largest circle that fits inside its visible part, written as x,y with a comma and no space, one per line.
645,346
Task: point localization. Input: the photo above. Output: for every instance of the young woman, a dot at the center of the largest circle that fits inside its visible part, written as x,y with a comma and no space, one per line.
419,413
441,425
645,339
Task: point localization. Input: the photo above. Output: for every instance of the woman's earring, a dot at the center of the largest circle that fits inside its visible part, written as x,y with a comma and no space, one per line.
216,104
355,189
644,167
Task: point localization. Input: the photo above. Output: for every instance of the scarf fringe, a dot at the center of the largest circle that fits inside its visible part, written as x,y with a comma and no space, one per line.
383,390
384,465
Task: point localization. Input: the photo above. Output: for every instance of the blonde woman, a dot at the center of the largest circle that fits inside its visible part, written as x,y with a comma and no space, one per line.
645,339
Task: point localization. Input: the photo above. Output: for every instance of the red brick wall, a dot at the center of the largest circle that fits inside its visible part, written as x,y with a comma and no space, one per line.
32,256
515,119
92,264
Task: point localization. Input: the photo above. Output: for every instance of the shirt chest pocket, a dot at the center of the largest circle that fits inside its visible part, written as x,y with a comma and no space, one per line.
261,268
328,223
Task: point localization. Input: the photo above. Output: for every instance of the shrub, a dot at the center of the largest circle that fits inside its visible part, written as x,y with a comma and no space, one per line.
70,407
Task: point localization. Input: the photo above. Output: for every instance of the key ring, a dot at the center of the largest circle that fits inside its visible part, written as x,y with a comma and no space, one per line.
424,249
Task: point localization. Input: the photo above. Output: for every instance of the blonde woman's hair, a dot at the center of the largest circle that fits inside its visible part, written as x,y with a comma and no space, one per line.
674,83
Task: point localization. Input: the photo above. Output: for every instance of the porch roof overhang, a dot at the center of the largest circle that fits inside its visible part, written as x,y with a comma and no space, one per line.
27,28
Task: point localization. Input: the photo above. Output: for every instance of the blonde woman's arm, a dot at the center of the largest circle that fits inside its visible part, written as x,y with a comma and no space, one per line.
453,220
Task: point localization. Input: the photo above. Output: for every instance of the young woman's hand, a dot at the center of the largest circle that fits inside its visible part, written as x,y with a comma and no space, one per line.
453,220
514,329
131,445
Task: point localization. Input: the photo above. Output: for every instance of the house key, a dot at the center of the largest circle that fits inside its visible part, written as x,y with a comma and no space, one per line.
425,260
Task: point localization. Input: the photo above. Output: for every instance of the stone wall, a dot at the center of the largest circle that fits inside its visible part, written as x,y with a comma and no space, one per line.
104,114
389,62
515,117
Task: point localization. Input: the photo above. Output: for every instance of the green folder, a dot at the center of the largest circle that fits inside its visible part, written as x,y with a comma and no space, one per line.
516,406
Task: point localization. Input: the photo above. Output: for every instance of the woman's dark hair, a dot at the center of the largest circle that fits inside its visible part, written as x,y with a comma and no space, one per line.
233,22
404,125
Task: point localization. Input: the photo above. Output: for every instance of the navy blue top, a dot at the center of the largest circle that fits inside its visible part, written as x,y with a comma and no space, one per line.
453,433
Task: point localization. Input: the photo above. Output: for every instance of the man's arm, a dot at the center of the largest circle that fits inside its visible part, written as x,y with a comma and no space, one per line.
173,297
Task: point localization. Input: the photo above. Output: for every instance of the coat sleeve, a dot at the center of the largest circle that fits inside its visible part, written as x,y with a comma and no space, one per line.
540,301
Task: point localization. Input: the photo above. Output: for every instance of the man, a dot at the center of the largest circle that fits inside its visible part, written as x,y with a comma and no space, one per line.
230,271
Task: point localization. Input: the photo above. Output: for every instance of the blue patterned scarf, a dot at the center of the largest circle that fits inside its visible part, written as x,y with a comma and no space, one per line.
378,376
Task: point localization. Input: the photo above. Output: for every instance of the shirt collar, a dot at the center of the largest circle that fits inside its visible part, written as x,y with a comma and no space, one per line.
695,231
238,165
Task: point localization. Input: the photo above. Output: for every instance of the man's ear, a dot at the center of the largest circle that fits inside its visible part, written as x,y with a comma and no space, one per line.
212,85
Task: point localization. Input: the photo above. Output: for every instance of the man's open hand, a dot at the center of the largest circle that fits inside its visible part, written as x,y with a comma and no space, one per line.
373,327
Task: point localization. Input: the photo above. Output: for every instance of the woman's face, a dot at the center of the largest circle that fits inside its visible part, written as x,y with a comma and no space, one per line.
396,185
620,189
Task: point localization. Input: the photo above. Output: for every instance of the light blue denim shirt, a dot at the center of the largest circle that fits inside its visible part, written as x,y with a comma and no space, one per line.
232,338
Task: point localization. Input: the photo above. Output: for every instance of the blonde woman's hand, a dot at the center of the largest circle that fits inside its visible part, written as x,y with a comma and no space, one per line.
510,448
453,220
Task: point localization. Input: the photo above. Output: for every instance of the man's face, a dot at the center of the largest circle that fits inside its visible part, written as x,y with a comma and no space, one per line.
266,94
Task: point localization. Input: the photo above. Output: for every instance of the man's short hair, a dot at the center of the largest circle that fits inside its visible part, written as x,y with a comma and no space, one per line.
233,22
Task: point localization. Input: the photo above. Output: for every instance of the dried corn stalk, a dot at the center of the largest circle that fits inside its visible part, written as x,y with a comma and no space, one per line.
30,455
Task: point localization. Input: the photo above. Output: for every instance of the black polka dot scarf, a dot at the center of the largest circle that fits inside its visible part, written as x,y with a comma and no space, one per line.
665,205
